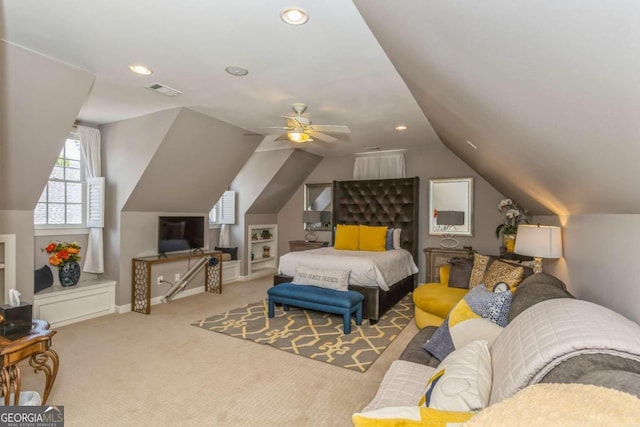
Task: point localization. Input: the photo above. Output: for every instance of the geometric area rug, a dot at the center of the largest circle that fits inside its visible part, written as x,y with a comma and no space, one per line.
313,334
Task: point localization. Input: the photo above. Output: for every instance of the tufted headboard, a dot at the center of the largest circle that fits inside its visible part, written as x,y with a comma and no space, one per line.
391,202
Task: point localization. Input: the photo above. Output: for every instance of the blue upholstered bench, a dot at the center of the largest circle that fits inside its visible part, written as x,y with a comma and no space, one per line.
320,299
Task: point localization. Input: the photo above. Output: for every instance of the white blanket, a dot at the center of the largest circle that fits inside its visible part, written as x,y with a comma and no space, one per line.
367,268
552,331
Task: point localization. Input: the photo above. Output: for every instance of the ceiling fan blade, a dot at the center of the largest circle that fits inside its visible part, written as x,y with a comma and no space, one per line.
278,127
331,128
282,137
321,136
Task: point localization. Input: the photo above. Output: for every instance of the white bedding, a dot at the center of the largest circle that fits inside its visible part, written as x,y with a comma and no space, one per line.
370,269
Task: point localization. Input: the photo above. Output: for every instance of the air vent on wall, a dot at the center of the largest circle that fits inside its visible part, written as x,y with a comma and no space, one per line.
163,89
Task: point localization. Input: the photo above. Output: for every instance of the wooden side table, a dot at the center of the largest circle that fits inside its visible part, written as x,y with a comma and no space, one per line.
438,256
37,347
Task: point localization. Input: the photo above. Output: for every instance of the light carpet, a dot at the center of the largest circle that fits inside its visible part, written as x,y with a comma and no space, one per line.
315,335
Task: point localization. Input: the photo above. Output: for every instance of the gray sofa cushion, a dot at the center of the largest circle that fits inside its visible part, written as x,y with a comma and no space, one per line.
414,352
627,382
534,289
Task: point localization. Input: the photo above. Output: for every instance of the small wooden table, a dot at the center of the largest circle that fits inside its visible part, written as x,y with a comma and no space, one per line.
36,347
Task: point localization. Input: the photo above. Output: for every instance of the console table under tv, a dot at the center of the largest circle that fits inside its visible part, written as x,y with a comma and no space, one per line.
141,276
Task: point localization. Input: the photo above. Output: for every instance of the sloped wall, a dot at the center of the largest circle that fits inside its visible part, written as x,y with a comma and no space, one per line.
39,101
171,162
264,184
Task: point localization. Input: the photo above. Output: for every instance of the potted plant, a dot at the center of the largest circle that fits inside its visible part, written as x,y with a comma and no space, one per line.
514,214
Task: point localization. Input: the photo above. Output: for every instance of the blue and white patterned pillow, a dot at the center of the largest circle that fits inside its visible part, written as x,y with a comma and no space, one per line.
490,305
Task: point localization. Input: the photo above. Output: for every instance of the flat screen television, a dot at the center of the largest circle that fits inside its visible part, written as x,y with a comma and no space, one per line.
180,233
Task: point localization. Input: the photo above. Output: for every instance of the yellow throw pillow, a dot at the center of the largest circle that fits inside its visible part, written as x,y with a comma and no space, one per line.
409,416
373,238
500,271
347,237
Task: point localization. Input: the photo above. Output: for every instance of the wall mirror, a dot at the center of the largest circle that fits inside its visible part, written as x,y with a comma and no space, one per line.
318,200
451,206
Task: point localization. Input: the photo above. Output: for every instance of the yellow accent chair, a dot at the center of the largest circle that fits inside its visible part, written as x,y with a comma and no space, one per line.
433,301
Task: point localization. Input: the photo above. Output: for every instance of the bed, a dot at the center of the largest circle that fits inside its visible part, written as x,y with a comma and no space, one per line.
381,202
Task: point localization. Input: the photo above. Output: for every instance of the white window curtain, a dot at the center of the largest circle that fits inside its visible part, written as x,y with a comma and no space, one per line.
379,166
90,146
223,240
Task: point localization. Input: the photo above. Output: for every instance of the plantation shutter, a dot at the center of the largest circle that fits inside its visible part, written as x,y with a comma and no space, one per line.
95,202
227,208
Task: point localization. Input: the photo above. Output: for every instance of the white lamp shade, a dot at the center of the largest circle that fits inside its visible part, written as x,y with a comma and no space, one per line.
541,241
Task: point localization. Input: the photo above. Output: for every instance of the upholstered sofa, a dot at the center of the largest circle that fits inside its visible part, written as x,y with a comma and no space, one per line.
550,337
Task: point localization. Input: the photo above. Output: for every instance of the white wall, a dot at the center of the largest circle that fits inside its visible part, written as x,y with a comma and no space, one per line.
600,261
427,163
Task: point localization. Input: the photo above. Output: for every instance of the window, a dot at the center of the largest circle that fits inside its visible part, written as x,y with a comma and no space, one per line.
224,212
62,201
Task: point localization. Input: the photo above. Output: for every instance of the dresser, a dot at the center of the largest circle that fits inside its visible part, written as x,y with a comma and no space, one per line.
440,256
303,245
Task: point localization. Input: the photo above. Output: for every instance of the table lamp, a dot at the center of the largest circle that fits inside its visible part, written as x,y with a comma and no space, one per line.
539,241
311,218
449,219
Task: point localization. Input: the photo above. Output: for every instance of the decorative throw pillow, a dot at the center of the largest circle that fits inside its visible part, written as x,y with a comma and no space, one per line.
460,272
479,315
479,268
232,251
337,280
462,381
397,233
388,244
372,238
43,278
493,306
500,271
347,237
410,416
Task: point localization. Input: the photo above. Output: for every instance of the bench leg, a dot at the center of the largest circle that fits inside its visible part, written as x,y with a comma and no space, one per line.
359,315
346,320
271,304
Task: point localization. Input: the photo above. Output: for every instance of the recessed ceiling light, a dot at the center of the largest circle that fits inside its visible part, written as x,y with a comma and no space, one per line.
236,71
294,16
401,127
472,145
141,69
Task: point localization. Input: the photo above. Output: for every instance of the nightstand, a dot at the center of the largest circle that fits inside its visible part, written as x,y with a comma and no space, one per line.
303,245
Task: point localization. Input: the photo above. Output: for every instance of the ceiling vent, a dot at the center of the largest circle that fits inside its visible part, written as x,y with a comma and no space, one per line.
163,89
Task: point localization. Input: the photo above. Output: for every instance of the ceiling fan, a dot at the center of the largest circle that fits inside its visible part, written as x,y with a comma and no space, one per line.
299,129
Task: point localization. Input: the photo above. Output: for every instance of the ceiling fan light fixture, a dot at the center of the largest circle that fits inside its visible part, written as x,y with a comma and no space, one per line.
299,137
294,16
140,69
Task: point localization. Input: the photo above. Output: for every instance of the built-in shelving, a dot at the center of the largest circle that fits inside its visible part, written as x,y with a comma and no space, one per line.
7,265
262,250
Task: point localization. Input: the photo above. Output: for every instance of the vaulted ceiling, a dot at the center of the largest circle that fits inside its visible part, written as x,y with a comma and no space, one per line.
547,92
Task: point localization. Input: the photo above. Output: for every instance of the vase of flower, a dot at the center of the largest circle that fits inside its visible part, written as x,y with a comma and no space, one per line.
513,215
65,256
509,242
69,273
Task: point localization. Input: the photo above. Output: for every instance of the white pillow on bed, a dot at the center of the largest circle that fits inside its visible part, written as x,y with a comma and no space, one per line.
337,280
396,238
